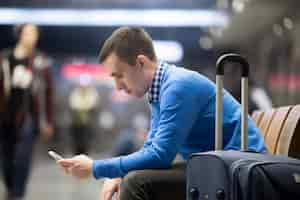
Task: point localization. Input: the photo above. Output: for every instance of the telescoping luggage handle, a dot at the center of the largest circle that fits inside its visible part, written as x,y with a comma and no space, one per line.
234,58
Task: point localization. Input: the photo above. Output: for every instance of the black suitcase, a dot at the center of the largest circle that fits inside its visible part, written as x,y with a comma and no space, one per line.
240,175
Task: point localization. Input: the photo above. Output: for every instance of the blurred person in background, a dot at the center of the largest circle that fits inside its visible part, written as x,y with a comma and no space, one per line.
83,103
25,109
182,104
132,138
132,120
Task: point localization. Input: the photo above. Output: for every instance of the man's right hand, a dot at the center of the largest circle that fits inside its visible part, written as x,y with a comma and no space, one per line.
110,187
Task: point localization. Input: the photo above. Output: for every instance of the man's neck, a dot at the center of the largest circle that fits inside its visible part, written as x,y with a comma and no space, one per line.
152,70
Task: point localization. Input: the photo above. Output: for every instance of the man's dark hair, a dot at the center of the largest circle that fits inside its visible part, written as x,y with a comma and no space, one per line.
127,43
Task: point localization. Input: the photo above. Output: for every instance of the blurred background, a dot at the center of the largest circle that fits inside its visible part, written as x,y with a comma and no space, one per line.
189,33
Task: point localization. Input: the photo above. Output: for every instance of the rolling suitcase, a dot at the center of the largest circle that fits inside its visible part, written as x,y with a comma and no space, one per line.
240,175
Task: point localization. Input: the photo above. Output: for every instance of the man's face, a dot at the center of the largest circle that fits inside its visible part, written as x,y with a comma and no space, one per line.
130,78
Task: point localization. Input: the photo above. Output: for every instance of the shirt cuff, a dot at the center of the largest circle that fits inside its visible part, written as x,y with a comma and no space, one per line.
110,168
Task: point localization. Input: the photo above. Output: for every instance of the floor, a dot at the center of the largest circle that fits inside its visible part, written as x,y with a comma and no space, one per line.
49,182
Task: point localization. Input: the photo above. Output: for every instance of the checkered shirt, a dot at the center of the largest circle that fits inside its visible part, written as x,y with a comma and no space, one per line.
153,92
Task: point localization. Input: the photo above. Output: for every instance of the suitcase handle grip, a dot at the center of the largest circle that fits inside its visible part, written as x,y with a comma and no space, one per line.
231,57
235,58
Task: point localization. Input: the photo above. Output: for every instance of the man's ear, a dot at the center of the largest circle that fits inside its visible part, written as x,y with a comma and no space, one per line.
142,59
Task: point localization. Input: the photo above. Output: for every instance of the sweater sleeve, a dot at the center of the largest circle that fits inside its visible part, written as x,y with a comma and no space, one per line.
178,112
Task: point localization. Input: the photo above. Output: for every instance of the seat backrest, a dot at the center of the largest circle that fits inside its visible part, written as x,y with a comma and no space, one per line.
289,140
266,121
257,116
273,133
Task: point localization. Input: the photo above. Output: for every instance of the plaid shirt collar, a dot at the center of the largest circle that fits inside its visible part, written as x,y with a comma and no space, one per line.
153,92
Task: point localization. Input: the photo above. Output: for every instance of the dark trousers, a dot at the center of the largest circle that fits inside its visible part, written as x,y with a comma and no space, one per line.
17,156
155,184
81,138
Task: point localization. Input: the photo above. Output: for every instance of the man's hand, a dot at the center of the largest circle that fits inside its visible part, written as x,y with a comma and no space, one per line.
110,187
78,166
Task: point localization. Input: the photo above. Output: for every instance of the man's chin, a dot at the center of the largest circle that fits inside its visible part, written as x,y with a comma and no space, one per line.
137,95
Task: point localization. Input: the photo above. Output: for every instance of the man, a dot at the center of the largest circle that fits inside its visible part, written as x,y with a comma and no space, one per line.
26,99
182,106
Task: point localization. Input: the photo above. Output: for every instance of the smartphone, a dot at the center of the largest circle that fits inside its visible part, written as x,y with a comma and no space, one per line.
55,155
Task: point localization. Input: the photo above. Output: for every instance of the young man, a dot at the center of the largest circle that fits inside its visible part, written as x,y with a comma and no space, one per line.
182,104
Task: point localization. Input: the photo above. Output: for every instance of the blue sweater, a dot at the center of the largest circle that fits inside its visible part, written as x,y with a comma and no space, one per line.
182,121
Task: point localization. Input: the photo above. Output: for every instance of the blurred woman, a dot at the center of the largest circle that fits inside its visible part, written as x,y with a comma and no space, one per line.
25,107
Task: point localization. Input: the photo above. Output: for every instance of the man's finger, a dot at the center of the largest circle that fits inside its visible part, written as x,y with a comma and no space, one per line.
74,169
67,171
66,162
108,195
118,194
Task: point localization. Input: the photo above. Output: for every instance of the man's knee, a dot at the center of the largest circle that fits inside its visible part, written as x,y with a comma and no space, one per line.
134,179
134,185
